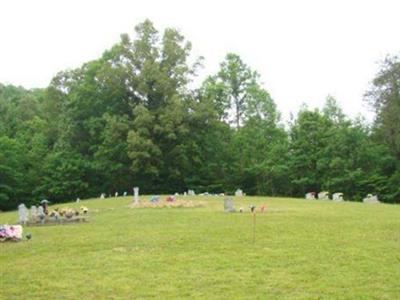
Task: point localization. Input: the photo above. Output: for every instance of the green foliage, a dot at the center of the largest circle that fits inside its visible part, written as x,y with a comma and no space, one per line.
234,88
65,176
131,118
384,96
11,173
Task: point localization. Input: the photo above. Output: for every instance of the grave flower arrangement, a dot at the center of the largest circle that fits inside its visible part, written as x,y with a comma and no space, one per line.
10,233
169,202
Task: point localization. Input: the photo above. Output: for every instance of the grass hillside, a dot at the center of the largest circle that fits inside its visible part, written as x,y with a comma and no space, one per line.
303,250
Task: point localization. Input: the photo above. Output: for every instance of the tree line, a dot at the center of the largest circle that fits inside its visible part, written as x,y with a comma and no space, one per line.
131,118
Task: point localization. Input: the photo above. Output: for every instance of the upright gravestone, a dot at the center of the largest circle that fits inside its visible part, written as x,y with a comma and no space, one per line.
323,195
41,214
372,199
136,195
22,214
116,194
191,193
34,214
228,205
102,196
310,196
337,197
239,193
125,194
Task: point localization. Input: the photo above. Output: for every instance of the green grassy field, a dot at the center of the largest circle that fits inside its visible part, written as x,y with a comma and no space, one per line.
303,250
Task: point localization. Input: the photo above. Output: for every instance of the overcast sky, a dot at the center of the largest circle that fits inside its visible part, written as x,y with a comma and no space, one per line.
304,50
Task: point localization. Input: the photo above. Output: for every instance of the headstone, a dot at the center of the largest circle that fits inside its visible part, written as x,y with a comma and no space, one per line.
116,194
22,214
41,214
310,196
185,194
176,194
323,195
78,200
239,193
102,196
191,193
228,205
372,199
136,195
34,214
125,194
337,197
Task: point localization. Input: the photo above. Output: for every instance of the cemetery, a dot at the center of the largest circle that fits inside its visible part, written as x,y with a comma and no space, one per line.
136,247
247,150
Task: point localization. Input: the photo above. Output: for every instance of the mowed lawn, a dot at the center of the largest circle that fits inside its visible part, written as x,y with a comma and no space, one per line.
303,250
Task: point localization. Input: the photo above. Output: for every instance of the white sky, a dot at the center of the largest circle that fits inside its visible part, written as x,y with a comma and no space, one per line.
304,50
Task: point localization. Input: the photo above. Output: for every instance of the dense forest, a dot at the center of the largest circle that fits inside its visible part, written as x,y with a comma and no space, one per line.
132,118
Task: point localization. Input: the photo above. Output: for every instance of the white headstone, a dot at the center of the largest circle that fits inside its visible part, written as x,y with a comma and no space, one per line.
102,196
41,213
34,213
372,199
116,194
78,200
239,193
22,214
337,197
310,196
191,193
185,194
323,195
125,193
136,195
